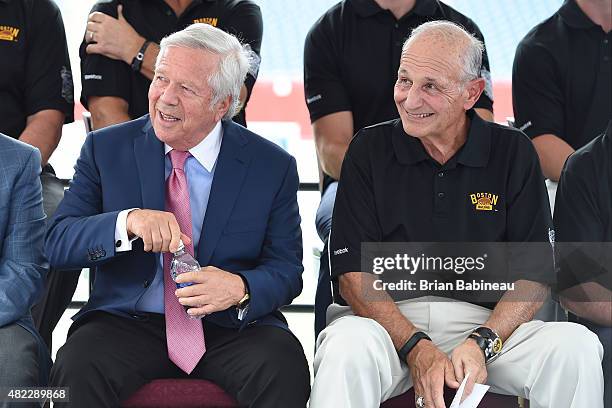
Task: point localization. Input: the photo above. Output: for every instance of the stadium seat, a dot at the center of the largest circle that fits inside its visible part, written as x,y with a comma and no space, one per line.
180,393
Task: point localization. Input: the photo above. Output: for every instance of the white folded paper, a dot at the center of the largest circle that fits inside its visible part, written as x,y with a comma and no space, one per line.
472,401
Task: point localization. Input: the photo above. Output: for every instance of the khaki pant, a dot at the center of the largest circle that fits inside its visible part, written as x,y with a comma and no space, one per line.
553,364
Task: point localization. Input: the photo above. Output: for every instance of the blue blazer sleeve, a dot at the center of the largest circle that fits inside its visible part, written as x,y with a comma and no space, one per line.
277,279
22,264
80,234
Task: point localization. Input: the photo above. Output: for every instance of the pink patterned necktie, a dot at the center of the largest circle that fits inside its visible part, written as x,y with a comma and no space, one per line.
184,336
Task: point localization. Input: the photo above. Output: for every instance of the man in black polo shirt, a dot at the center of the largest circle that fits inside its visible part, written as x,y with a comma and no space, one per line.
583,226
121,43
441,173
561,81
351,57
36,90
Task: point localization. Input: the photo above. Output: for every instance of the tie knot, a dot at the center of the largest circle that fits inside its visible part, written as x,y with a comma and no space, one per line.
177,158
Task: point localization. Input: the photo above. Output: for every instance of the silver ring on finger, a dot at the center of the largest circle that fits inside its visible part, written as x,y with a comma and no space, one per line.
420,402
91,34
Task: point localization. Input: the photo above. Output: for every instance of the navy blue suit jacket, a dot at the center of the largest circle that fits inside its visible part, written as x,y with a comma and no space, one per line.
252,223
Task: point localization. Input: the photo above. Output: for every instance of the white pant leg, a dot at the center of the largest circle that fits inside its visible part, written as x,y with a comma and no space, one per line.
355,365
553,364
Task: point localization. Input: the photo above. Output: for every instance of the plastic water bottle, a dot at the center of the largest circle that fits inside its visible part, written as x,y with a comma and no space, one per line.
182,262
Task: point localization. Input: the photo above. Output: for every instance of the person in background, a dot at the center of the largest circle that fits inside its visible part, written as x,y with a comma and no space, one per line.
583,229
561,81
121,44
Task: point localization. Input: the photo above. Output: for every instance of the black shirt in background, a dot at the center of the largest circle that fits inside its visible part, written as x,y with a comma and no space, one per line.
35,70
562,79
583,214
352,54
154,19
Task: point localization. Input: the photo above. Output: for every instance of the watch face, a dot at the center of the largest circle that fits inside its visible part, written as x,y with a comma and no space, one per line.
497,345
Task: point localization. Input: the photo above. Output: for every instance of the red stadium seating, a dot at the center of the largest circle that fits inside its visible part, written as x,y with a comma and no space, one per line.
184,393
173,393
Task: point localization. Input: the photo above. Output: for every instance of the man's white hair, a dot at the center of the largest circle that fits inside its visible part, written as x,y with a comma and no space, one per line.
233,64
469,47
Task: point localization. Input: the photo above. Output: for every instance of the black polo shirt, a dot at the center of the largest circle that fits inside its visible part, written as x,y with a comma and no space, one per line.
154,20
583,213
352,54
35,70
561,80
391,190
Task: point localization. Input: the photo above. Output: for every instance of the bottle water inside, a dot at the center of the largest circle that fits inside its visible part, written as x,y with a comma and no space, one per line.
182,262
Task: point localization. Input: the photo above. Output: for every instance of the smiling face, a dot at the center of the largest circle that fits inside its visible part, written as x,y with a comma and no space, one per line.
180,97
429,95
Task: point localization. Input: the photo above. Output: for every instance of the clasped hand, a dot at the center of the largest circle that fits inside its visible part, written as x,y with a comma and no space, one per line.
430,369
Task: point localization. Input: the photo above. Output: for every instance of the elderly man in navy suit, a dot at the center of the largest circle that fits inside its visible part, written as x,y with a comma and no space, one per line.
184,172
24,360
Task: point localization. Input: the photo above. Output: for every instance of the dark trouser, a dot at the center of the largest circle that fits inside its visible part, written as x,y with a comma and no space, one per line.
106,358
59,285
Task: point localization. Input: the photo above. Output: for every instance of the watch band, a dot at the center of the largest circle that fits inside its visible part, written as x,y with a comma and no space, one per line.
136,64
242,303
488,341
409,345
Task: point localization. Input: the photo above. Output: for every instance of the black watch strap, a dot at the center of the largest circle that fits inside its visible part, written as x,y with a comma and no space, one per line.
409,345
137,61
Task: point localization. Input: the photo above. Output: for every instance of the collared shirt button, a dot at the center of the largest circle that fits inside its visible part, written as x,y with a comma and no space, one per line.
605,40
118,243
441,174
441,194
396,25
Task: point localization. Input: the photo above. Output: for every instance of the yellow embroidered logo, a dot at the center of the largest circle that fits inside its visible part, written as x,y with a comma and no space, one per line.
8,33
484,201
207,20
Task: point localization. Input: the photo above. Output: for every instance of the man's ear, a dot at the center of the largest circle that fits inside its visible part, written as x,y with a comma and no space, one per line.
474,89
222,107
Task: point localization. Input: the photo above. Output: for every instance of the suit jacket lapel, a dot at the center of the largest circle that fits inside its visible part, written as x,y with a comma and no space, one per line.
149,153
231,169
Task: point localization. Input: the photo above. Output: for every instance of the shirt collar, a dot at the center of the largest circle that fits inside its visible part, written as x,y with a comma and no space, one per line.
573,15
474,153
368,8
207,151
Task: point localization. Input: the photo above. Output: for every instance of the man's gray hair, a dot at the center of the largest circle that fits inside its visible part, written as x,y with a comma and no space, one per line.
233,65
471,48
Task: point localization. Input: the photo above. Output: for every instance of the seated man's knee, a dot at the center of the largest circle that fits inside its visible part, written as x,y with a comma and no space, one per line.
281,359
348,337
574,343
